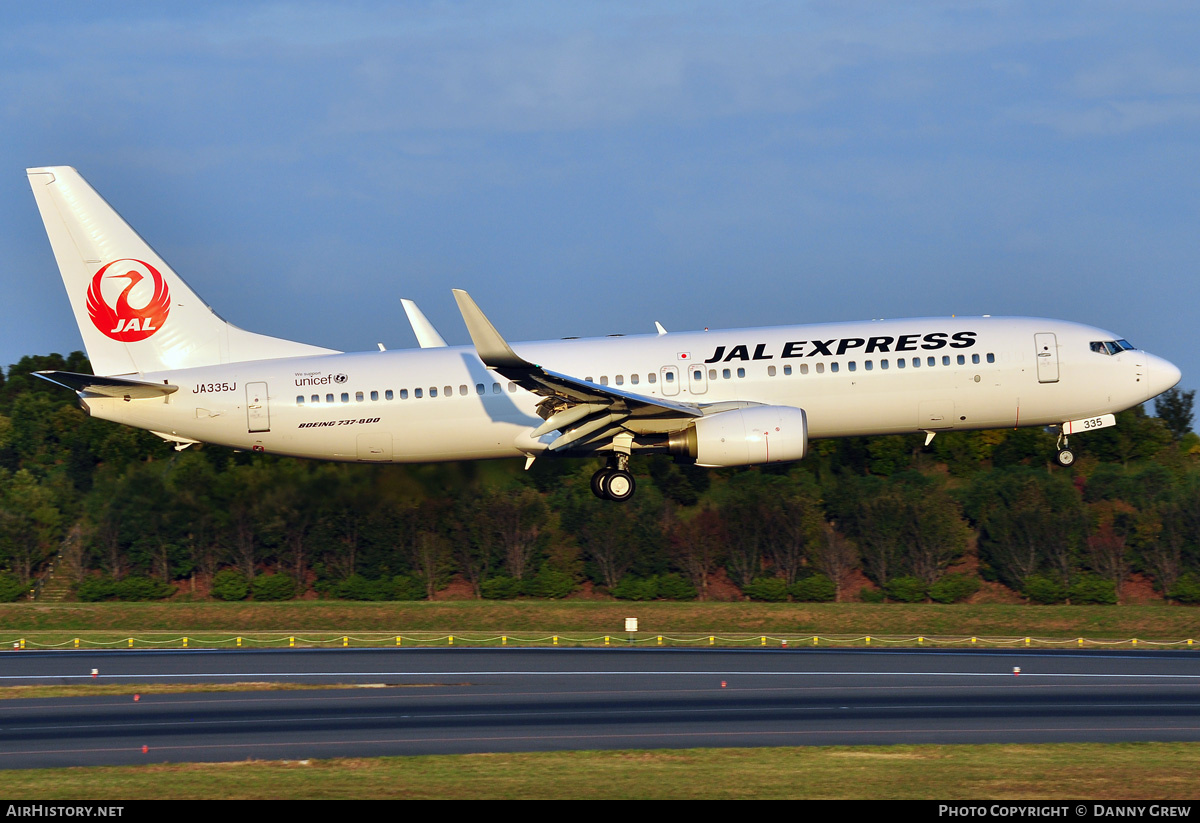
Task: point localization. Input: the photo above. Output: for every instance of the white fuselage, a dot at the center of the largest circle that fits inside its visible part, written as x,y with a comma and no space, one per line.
437,404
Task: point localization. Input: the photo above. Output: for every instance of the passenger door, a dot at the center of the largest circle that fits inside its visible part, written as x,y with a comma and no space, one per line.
258,412
1046,351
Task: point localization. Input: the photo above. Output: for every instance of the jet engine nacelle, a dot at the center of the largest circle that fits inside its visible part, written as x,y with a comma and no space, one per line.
744,437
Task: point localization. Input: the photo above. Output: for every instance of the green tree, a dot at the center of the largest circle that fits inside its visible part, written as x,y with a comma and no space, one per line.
1174,408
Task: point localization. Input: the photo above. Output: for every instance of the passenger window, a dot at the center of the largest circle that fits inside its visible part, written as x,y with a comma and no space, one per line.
374,395
770,371
358,397
900,363
726,373
670,377
433,391
345,397
698,374
403,394
495,388
448,391
820,368
712,374
974,358
300,400
512,387
652,378
945,360
803,368
329,398
462,391
916,362
741,372
633,378
991,358
870,364
604,380
788,369
479,388
417,394
931,362
620,380
316,398
883,364
962,360
852,366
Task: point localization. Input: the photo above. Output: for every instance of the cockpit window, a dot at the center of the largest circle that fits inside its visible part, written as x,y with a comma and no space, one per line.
1109,347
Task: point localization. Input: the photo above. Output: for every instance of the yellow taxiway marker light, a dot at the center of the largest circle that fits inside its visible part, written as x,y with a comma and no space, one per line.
814,640
504,640
77,642
711,640
131,642
606,640
868,640
239,642
920,641
185,642
973,640
1135,641
556,640
291,641
764,641
660,640
1026,641
451,639
1081,642
397,640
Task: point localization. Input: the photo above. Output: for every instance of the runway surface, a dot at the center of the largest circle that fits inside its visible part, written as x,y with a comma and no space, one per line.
440,701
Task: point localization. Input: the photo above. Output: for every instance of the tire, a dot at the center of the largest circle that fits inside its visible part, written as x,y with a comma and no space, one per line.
619,485
1065,457
600,484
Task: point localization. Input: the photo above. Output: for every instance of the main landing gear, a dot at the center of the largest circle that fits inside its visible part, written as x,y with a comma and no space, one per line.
614,482
1065,456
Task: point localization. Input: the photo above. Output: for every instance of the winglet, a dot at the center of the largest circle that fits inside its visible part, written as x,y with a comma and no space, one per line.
492,350
427,335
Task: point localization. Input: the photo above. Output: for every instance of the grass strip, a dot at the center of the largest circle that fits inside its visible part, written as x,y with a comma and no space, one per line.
1127,771
1156,622
128,690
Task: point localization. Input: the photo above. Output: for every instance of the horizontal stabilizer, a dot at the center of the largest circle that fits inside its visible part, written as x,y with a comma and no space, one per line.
107,386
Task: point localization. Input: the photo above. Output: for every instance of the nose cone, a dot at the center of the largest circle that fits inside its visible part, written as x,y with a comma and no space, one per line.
1160,375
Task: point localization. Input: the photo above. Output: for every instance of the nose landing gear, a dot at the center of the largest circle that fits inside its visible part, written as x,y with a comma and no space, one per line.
1065,457
614,482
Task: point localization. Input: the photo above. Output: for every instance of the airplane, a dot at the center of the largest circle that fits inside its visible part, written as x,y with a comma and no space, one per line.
166,362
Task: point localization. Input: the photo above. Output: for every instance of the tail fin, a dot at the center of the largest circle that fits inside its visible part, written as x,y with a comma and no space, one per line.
135,313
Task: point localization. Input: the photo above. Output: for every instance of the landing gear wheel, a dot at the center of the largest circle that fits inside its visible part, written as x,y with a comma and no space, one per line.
619,485
1065,457
600,483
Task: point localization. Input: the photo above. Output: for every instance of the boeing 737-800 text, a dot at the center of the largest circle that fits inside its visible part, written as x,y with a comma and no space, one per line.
164,361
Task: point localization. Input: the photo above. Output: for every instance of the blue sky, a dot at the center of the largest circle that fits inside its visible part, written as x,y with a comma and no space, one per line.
589,168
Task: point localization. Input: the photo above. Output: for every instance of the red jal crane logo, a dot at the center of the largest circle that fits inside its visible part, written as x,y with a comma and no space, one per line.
124,322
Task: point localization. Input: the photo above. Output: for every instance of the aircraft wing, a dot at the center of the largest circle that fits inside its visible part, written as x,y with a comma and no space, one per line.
106,386
570,401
